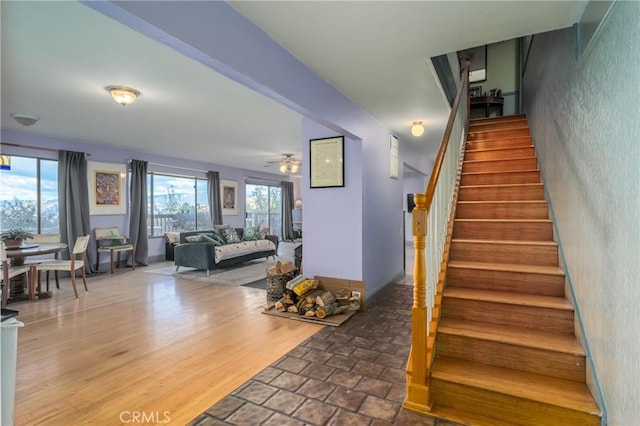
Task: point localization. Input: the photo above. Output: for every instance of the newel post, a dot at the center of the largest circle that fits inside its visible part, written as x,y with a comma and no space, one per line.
418,397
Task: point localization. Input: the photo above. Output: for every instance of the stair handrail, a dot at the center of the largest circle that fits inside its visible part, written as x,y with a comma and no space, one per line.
430,218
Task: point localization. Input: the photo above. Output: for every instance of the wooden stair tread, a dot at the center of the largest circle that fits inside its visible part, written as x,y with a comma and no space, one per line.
497,148
498,172
503,185
519,299
497,159
548,390
512,335
503,202
484,120
498,221
465,417
498,140
523,126
504,242
510,267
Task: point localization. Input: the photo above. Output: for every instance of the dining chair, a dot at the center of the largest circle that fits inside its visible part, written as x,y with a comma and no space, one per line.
44,239
8,272
78,256
109,240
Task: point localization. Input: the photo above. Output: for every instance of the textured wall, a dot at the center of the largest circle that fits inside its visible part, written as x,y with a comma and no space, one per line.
585,120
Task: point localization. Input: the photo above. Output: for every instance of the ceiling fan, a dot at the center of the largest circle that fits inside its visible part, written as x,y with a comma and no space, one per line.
288,164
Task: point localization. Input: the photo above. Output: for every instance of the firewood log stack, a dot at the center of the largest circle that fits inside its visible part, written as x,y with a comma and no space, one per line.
303,297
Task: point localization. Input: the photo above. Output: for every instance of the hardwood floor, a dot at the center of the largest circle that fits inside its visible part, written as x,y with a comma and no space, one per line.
139,344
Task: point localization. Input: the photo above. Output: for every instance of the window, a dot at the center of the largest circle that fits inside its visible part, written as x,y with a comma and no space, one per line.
29,195
176,203
263,207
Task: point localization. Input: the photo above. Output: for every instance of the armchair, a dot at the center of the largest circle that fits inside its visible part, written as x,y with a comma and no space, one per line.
109,240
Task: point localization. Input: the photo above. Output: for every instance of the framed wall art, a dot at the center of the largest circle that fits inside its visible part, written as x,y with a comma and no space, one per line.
393,157
107,194
327,162
229,194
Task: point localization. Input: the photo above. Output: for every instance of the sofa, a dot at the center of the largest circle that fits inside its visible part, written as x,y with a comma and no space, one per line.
222,247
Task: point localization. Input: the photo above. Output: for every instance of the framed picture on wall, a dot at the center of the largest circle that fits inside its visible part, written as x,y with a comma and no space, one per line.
327,162
393,157
106,188
229,194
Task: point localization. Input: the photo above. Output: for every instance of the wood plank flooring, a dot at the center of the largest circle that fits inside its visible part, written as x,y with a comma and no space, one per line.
142,343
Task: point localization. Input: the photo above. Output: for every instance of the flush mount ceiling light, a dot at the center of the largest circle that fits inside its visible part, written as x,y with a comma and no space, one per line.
25,119
123,95
417,129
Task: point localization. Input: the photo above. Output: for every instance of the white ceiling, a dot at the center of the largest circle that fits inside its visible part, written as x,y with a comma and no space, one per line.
57,58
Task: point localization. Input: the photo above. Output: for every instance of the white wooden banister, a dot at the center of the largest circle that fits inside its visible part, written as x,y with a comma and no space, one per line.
430,219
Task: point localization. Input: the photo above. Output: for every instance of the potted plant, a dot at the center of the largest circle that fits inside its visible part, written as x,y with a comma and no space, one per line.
15,236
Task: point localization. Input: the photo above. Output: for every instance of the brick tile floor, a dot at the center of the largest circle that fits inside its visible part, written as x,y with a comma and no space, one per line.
348,375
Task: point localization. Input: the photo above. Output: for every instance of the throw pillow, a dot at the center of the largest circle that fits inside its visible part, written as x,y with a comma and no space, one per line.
230,235
210,239
195,238
250,234
172,237
219,228
217,238
262,234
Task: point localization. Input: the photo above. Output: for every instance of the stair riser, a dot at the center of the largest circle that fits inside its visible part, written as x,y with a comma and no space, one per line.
492,230
521,254
498,134
499,153
529,176
498,125
505,407
479,210
530,360
552,320
500,165
482,279
502,193
501,119
521,142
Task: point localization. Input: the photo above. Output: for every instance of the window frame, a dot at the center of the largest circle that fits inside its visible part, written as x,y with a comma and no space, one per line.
38,176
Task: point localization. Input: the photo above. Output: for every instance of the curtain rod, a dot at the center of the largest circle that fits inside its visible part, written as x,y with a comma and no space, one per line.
172,167
36,147
262,179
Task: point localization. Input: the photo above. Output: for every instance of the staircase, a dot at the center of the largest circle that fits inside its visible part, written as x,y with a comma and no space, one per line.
506,351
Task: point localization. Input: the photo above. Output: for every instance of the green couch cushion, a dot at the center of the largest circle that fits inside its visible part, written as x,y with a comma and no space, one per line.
205,238
196,238
217,238
230,235
250,234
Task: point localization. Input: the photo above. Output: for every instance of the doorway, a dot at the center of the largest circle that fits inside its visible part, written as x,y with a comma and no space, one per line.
263,207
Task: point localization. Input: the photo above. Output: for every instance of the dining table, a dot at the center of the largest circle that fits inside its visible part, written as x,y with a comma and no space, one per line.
17,257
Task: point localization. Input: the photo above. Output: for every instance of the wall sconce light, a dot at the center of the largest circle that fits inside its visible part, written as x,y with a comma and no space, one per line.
25,119
123,95
417,129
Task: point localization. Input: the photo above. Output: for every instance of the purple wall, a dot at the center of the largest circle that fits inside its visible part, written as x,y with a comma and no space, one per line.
222,39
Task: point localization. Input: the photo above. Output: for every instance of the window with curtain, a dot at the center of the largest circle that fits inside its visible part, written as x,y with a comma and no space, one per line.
29,195
176,203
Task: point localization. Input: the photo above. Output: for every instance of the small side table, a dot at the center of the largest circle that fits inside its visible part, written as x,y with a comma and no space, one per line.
487,103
